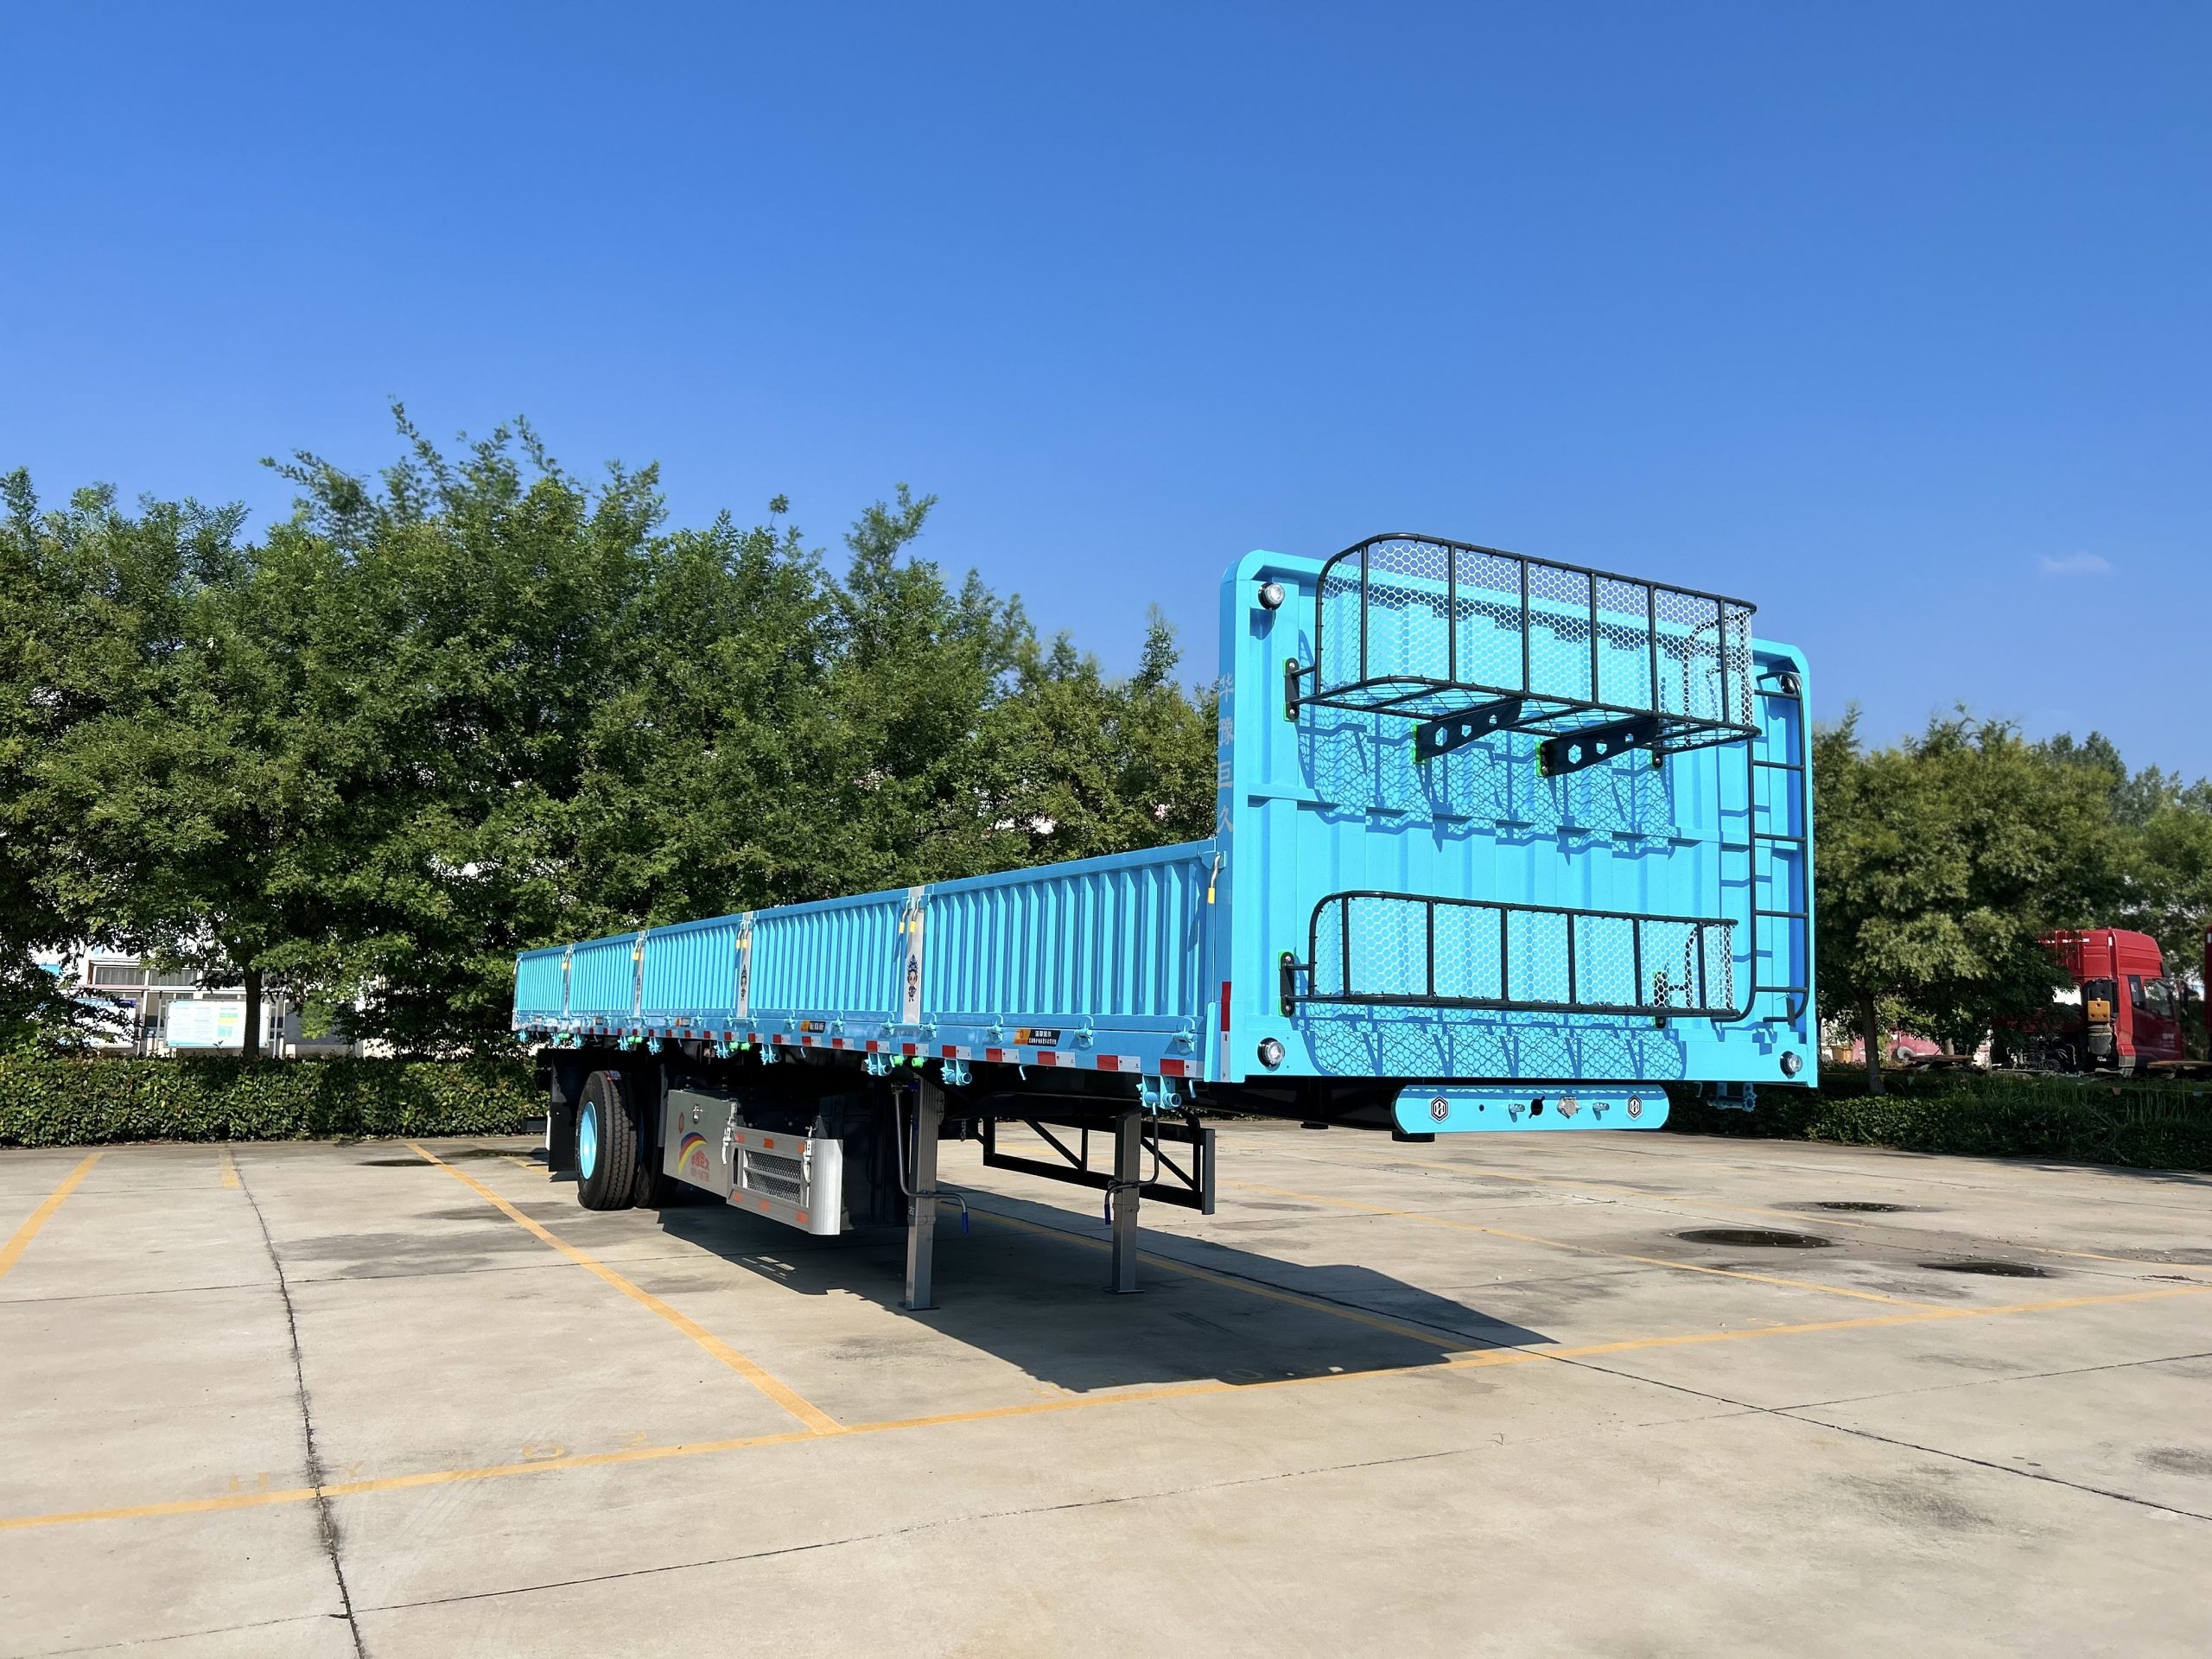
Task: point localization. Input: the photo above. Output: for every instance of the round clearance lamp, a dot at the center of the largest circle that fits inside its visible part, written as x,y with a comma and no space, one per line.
1271,596
1270,1052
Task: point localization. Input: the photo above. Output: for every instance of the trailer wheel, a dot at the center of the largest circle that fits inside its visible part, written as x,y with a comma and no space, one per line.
606,1144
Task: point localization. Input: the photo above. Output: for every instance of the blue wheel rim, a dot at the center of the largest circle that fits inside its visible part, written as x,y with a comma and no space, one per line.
587,1142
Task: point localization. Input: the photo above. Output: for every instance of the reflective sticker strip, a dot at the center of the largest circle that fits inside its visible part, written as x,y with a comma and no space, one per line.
911,956
1047,1057
875,1047
1174,1068
781,1037
910,1050
837,1042
998,1054
952,1051
1120,1062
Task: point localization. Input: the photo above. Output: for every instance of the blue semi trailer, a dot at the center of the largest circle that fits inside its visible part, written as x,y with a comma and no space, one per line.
1502,844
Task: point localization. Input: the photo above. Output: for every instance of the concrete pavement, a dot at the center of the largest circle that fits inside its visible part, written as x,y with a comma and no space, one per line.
1479,1396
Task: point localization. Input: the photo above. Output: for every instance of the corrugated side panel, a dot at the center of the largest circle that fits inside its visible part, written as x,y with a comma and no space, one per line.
840,957
691,970
1113,940
602,979
537,985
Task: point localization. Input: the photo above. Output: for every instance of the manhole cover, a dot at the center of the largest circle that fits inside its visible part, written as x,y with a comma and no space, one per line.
1993,1269
1753,1238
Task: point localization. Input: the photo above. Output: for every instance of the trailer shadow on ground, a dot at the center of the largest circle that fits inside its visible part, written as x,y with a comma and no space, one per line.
1026,1283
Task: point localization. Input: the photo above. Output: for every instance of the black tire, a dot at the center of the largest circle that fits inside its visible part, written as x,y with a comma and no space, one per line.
608,1175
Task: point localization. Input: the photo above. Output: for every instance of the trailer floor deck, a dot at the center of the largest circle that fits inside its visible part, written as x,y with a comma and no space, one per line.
1474,1397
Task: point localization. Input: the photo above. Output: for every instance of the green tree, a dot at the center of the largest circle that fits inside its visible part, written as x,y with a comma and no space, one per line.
2164,827
497,606
70,602
1941,862
1078,765
207,780
472,704
136,790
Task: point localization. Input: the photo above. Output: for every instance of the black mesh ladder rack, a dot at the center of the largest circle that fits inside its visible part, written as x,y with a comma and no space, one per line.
1445,633
1423,950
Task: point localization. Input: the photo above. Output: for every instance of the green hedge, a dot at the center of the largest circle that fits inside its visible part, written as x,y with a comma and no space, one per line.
74,1102
2141,1126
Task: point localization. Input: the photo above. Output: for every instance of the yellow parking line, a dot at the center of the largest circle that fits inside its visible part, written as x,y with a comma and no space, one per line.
398,1482
818,1420
230,1169
1586,1249
12,1252
1042,1407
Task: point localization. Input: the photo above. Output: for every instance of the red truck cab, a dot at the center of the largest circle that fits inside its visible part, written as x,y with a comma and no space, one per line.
2123,1013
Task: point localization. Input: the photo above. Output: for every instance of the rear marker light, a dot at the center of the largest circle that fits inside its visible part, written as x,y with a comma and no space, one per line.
1270,1052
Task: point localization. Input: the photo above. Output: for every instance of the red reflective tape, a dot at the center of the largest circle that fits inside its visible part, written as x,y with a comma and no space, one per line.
910,1050
1174,1068
1224,1007
1046,1057
872,1045
950,1053
837,1042
995,1054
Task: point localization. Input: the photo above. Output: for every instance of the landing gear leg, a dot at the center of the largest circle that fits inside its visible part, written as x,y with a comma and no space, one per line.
1128,1149
921,1209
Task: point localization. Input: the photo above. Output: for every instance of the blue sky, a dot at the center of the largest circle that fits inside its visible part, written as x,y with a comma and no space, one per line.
1893,320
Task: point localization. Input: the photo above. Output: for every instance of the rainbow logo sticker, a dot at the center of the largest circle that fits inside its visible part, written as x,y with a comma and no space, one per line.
691,1160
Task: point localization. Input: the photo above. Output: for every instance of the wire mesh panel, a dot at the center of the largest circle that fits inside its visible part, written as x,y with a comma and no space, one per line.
1412,951
1427,628
781,1178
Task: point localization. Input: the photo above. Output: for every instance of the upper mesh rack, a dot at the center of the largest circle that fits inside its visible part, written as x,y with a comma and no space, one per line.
1469,640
